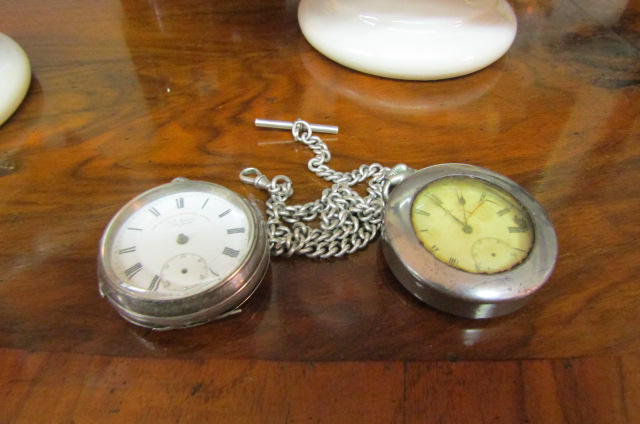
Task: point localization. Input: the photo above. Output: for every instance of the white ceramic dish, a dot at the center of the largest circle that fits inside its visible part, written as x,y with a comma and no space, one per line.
410,39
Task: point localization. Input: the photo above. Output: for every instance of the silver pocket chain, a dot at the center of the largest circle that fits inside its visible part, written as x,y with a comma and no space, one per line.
347,221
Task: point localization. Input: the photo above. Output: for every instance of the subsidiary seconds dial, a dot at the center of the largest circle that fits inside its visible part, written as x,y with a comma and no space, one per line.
182,254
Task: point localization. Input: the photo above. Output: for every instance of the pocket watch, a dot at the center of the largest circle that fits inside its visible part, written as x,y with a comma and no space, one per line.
461,238
467,240
182,254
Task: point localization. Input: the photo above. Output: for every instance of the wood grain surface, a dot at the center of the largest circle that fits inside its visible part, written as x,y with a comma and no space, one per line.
127,95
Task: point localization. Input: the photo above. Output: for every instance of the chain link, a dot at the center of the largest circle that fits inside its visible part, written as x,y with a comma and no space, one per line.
347,221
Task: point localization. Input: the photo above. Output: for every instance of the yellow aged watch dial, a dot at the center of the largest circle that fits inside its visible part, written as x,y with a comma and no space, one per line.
472,225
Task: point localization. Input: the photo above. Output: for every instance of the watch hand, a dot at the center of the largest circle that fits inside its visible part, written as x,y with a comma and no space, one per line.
465,227
482,201
477,207
462,203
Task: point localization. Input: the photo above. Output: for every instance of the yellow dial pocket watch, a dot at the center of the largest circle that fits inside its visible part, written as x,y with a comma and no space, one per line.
467,240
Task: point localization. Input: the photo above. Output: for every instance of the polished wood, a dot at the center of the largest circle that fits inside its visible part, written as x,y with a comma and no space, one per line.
128,95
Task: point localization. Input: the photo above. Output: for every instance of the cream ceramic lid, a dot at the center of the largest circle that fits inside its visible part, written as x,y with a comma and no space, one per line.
15,76
410,39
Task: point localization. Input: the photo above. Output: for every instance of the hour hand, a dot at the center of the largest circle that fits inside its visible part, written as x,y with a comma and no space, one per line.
463,203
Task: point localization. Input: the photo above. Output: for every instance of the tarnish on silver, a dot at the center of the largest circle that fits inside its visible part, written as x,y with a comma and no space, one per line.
346,221
452,290
222,300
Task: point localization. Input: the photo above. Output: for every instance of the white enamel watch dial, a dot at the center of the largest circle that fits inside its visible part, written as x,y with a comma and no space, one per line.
182,254
466,240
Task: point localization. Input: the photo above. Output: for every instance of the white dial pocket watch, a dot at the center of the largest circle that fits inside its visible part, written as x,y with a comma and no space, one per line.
182,254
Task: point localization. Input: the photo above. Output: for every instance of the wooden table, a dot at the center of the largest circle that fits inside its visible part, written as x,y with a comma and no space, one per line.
127,95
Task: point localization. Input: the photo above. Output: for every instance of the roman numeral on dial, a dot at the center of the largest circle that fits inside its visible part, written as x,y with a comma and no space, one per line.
518,229
133,270
155,283
230,252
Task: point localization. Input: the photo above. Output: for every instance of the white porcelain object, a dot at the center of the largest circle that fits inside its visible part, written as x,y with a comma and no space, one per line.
15,76
410,39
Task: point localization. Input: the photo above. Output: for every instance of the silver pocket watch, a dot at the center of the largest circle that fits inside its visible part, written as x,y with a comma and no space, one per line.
460,238
182,254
